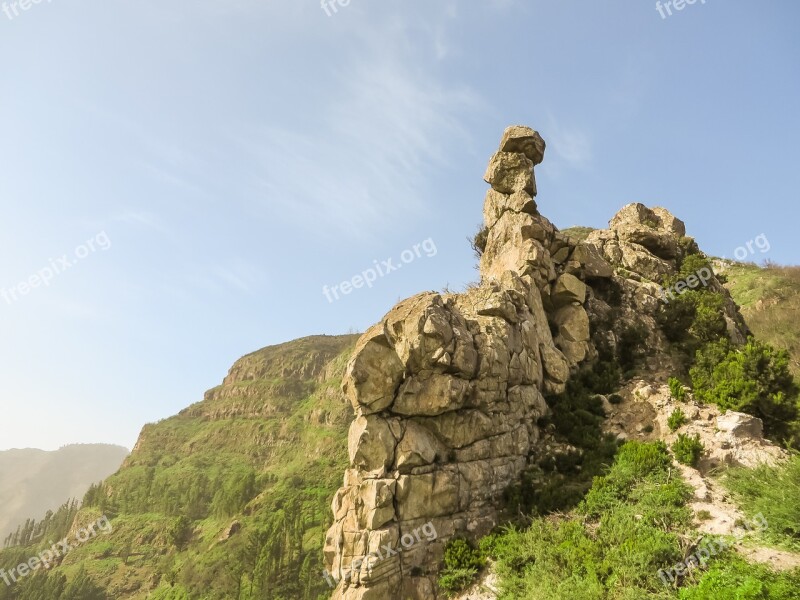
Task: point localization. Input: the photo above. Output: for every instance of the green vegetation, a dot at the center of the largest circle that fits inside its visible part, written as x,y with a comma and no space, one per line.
614,543
461,564
578,233
677,389
216,503
695,317
774,493
676,420
687,449
754,379
740,580
559,482
770,300
633,522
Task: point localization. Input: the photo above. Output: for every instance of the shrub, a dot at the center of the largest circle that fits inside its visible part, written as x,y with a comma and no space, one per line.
754,379
180,532
687,449
626,531
630,345
577,416
676,389
461,564
478,242
676,420
615,399
694,318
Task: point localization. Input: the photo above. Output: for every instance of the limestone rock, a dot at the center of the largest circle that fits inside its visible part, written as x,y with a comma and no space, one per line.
510,172
496,204
638,224
524,140
430,394
374,372
588,261
449,388
573,323
371,444
568,289
741,425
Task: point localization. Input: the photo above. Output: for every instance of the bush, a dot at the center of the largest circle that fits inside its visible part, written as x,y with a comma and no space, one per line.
478,242
676,420
630,345
180,532
694,318
627,529
615,399
676,389
687,449
577,416
461,564
754,379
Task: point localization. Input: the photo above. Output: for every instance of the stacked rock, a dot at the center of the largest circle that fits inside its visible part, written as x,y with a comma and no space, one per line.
447,391
448,388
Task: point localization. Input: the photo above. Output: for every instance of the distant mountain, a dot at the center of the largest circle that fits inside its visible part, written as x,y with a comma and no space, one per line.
35,481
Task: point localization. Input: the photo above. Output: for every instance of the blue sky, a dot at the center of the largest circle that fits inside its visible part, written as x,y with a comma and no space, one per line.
238,156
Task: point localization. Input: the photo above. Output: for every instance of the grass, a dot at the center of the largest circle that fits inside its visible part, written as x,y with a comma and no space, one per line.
770,300
774,493
577,233
634,522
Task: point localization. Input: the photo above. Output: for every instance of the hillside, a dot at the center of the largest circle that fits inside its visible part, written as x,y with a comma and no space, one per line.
769,297
234,492
561,429
34,481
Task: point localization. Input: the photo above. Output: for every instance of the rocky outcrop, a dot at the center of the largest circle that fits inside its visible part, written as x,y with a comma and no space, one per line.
448,388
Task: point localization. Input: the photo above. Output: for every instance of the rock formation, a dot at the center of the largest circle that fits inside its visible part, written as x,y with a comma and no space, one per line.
448,388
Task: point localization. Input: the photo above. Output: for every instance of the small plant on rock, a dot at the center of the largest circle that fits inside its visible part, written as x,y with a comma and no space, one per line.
461,564
676,420
687,449
676,389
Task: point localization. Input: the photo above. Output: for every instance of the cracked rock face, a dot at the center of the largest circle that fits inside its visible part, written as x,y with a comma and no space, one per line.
448,388
447,391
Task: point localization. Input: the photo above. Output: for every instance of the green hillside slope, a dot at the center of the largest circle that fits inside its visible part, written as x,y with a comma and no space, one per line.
228,499
770,300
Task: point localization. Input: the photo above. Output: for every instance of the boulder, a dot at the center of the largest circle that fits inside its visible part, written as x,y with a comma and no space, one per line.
374,373
524,140
371,444
741,425
637,224
509,172
567,290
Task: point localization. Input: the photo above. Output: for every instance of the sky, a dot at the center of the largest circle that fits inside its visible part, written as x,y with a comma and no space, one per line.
180,180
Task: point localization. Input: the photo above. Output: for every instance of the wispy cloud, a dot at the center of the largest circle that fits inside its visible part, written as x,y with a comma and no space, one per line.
366,163
571,146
